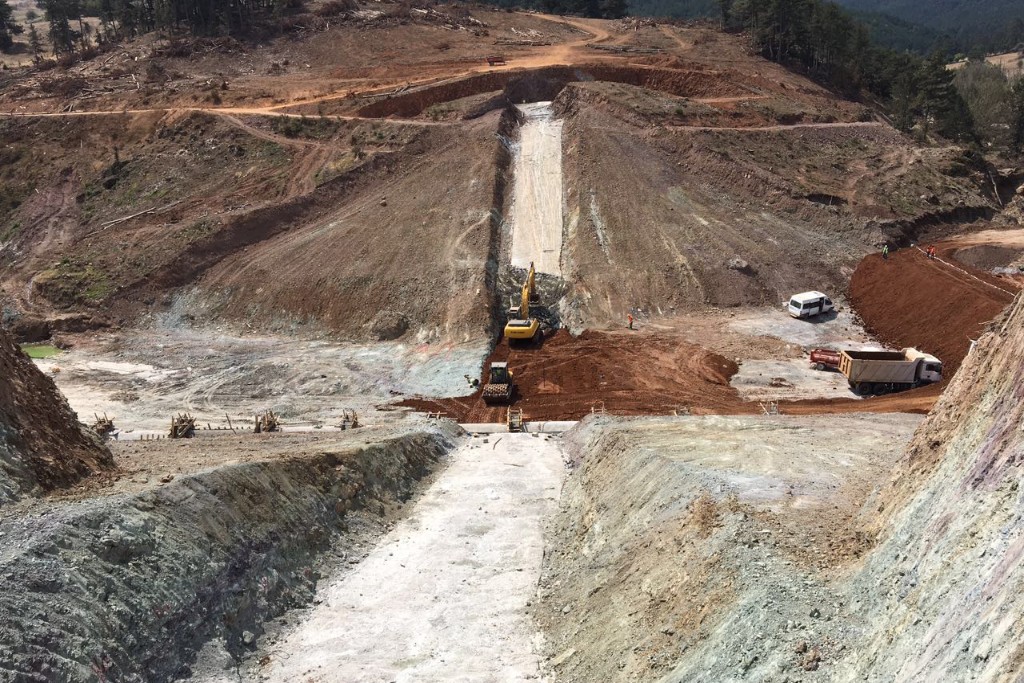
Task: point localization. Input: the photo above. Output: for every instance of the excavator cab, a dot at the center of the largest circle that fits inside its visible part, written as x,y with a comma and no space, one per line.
521,327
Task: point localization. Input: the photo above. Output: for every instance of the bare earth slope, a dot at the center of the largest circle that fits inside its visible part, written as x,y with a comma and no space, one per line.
42,444
941,597
405,249
665,218
365,193
756,548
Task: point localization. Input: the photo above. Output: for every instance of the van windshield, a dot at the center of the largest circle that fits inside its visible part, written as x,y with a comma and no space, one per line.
796,304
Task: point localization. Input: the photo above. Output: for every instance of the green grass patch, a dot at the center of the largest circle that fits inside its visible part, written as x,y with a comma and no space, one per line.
40,350
71,281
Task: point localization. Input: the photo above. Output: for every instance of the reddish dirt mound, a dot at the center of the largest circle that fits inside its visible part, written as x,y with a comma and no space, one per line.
626,374
911,300
41,441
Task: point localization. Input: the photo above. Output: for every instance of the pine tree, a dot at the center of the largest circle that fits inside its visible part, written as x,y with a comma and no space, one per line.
1017,116
8,27
58,15
35,43
725,11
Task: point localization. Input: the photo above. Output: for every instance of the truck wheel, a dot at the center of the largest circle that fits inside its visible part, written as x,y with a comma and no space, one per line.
866,389
820,367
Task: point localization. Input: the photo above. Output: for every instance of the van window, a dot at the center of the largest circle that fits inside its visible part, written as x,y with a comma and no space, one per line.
795,304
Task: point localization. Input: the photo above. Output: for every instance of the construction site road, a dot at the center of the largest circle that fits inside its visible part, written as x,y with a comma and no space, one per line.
537,197
443,597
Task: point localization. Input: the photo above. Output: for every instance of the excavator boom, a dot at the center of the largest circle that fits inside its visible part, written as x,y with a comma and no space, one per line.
522,327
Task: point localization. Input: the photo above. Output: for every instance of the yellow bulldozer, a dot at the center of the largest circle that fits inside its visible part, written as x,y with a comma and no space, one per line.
521,327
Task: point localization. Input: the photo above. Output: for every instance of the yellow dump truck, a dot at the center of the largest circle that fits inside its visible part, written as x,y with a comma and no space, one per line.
883,372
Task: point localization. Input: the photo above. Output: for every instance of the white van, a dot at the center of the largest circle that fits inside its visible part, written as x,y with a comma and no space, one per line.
809,304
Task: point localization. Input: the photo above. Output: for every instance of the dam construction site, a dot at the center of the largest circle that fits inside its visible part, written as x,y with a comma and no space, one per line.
450,343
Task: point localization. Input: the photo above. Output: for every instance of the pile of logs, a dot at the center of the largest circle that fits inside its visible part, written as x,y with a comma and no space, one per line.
103,426
267,422
183,426
349,419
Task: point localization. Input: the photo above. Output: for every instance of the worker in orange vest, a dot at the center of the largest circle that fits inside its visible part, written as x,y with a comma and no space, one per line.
629,317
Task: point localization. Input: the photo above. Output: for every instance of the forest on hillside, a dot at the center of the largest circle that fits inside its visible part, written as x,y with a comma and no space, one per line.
968,25
922,26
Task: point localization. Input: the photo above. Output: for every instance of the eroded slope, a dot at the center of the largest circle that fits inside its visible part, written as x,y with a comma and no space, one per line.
42,444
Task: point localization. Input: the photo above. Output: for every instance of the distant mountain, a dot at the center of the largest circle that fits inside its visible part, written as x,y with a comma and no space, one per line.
989,24
898,34
682,9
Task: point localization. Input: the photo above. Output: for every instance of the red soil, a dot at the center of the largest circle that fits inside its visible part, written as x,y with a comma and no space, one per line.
907,300
625,374
911,300
635,374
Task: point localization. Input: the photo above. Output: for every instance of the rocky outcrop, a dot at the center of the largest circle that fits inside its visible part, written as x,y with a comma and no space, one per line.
42,444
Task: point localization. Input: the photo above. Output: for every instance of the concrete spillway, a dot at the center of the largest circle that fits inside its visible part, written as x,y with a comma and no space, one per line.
443,597
537,191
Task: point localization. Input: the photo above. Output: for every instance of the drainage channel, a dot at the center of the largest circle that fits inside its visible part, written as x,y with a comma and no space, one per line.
537,192
444,595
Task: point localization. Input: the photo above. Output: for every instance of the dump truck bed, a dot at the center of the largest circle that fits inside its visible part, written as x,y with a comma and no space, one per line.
878,367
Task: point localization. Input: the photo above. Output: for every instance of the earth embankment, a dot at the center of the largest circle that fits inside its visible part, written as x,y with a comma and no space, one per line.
701,548
569,377
131,587
42,445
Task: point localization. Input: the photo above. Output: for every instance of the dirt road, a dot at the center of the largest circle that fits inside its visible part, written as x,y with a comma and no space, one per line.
537,208
443,597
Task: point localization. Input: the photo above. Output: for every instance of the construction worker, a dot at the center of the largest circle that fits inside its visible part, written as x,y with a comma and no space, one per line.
931,251
629,317
885,252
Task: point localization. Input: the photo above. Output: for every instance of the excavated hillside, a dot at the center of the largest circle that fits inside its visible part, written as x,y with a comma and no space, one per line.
940,597
42,444
759,548
728,214
366,194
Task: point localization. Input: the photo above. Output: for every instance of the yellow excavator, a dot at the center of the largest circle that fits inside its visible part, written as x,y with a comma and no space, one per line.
520,326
